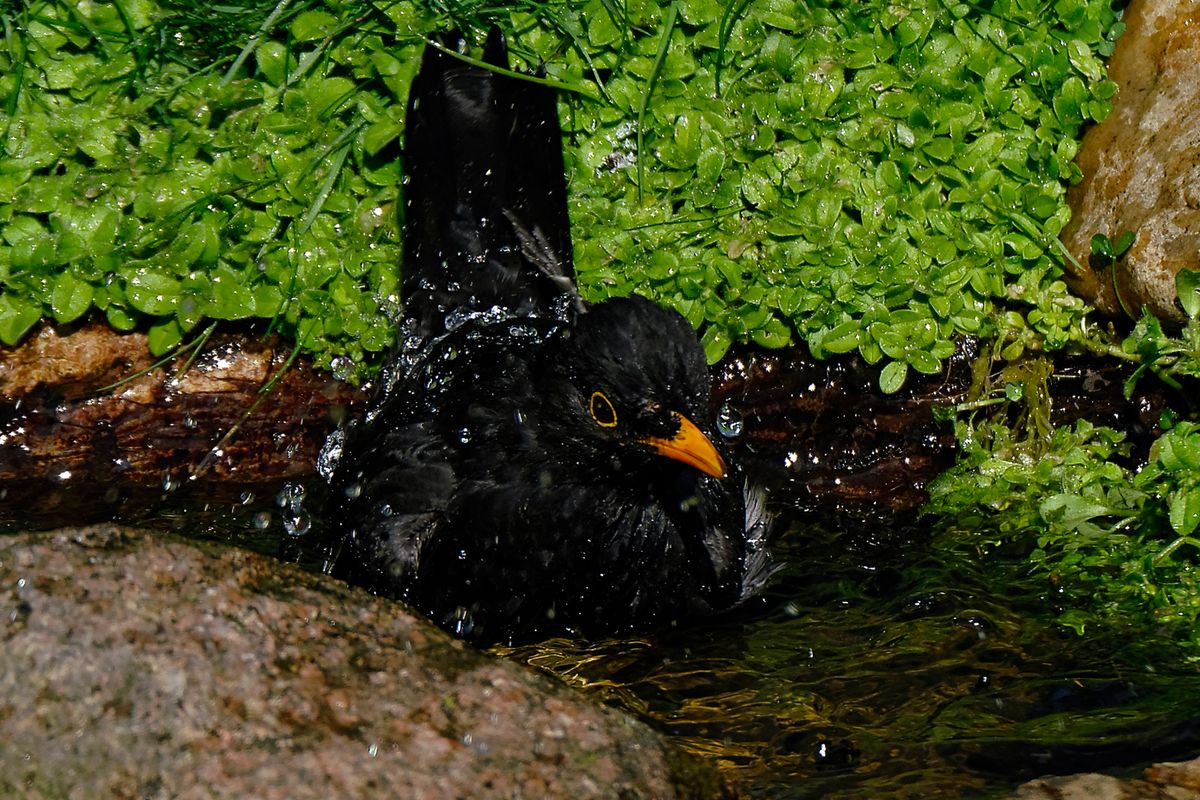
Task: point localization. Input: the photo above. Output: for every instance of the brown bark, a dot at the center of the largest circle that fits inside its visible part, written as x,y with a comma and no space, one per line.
838,445
71,451
835,440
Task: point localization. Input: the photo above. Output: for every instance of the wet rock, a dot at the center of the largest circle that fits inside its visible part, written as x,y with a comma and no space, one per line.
138,665
1141,166
1169,781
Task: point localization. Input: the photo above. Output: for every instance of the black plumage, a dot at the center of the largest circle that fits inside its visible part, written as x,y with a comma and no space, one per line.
532,465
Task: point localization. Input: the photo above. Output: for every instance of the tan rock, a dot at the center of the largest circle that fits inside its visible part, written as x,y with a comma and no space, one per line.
1141,166
1166,781
1081,787
1181,774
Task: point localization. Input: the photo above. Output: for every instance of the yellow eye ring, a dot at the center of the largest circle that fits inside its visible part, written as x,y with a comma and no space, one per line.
602,411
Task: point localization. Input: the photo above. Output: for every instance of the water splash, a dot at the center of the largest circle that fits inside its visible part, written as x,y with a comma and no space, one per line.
331,453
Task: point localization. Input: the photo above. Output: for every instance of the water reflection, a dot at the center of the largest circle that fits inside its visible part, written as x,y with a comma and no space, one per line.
922,679
881,664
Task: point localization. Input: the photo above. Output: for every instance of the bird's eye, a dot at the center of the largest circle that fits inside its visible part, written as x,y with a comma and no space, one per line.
602,411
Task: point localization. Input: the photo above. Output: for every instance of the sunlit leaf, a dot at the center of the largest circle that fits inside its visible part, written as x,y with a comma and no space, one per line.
69,298
892,377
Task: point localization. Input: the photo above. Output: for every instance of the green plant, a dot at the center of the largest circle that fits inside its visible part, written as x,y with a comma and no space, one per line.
1113,542
869,176
161,192
873,177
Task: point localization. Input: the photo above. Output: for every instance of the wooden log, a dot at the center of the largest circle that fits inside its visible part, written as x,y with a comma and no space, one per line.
833,441
70,449
820,431
836,445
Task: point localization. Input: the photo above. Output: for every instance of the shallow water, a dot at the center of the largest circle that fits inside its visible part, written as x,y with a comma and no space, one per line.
875,667
914,679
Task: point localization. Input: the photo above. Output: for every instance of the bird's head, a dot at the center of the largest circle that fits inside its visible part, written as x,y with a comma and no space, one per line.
632,384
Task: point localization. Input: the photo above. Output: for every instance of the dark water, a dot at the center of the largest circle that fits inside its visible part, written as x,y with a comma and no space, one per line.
879,669
882,664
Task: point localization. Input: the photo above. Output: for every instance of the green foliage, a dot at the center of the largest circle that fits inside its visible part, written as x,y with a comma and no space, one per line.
1170,356
1107,251
142,185
1113,542
1187,289
871,176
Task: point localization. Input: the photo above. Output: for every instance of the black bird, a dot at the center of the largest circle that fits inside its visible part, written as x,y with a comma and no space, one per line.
532,465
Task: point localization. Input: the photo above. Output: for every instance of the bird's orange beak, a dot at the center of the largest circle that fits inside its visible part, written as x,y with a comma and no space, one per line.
690,446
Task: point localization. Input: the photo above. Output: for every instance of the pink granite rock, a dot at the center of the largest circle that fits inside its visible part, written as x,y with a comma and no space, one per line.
135,665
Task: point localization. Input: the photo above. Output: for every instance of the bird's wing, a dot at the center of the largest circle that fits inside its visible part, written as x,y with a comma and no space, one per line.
391,496
552,551
486,222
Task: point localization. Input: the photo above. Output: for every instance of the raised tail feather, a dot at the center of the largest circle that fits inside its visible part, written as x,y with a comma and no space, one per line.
486,200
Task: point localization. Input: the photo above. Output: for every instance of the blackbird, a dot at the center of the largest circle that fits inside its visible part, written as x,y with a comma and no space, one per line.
532,465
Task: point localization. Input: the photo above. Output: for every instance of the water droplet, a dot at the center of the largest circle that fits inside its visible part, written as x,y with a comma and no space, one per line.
262,520
297,523
462,623
353,490
247,498
729,421
331,454
291,496
342,367
169,482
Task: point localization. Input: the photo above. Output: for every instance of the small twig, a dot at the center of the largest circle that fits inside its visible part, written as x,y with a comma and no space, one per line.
195,344
574,88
